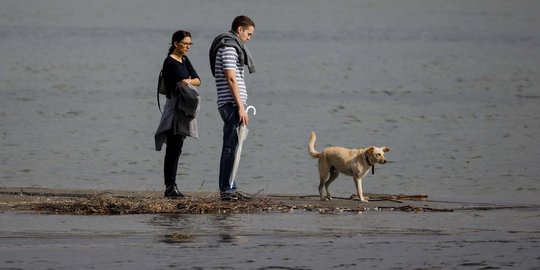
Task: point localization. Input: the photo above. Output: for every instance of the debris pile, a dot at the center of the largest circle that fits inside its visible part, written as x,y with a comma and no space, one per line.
110,205
114,202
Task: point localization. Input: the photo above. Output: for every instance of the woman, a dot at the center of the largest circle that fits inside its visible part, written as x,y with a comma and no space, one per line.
176,69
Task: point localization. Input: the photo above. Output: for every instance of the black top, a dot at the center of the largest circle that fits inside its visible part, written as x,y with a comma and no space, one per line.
174,71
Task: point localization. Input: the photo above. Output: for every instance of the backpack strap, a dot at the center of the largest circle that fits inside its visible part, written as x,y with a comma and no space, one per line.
158,87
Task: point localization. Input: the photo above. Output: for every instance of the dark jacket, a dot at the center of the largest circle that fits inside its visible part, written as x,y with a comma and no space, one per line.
179,114
230,39
186,110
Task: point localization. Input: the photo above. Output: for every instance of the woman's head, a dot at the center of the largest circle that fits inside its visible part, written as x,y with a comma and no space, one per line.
180,42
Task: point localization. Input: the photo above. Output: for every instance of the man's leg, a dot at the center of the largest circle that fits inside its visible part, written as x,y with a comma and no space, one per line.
230,117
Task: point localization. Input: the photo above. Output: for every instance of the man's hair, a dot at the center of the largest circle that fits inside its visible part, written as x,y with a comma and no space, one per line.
243,21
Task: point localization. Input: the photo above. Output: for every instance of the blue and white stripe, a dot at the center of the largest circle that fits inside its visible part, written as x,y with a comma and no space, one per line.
227,58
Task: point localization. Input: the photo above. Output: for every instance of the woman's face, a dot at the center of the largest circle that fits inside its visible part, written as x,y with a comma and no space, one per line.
182,47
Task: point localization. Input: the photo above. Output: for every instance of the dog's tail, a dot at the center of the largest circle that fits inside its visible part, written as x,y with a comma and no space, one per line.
311,146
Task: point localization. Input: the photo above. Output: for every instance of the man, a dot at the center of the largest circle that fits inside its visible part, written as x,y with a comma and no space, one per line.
228,56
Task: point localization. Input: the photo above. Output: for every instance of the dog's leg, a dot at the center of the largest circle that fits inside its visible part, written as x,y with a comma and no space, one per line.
321,187
358,183
323,173
333,175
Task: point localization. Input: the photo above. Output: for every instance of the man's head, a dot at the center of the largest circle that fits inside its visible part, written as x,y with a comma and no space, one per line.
244,27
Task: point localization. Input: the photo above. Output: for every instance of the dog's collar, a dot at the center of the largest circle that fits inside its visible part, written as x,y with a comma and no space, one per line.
369,163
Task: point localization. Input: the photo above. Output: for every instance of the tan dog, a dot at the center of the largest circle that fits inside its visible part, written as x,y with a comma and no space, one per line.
352,162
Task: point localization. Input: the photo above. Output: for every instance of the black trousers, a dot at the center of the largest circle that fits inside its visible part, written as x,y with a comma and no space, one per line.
172,155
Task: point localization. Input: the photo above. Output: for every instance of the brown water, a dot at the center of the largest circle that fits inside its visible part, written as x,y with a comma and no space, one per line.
452,87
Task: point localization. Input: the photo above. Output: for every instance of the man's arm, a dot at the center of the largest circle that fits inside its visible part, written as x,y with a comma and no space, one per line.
230,76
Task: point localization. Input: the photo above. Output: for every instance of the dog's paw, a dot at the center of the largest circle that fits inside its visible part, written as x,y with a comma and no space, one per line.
355,197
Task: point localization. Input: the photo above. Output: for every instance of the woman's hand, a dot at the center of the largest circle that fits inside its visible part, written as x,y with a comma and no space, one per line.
194,82
185,82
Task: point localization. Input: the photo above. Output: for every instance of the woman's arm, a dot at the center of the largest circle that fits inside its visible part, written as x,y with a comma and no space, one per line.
194,82
193,77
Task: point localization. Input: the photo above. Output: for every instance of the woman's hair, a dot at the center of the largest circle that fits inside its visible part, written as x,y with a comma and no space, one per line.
178,36
243,21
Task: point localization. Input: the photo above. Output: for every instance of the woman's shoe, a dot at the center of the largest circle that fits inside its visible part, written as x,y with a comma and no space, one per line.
173,192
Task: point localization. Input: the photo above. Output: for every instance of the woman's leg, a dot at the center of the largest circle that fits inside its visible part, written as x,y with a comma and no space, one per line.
172,155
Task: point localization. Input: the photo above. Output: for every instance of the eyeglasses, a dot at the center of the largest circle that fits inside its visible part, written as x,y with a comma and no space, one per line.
186,43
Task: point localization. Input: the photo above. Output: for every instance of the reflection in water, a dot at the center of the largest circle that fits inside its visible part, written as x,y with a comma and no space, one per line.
178,228
191,228
373,240
229,226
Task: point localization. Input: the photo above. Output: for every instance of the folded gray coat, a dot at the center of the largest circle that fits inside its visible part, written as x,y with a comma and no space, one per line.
179,114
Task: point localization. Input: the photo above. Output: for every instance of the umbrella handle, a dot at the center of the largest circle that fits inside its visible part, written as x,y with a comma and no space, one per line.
251,107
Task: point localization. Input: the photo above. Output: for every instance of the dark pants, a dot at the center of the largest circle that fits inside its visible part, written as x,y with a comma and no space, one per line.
172,154
229,114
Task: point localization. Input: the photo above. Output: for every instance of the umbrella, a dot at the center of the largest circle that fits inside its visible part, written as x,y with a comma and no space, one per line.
242,132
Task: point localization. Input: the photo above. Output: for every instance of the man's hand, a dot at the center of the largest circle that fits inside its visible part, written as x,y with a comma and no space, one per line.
243,115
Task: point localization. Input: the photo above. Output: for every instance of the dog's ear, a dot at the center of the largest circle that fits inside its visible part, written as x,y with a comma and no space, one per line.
385,149
370,150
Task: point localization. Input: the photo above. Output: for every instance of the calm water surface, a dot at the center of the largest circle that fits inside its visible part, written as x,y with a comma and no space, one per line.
506,239
452,87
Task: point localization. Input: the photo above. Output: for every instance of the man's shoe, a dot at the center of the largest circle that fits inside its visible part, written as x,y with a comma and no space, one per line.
243,196
228,196
173,192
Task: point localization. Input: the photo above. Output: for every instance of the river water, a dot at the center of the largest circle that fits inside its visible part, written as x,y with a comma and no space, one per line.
503,239
451,87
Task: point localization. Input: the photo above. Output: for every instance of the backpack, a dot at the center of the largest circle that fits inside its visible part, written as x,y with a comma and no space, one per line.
160,88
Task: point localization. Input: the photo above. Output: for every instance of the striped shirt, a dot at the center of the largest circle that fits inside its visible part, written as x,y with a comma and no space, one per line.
227,58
